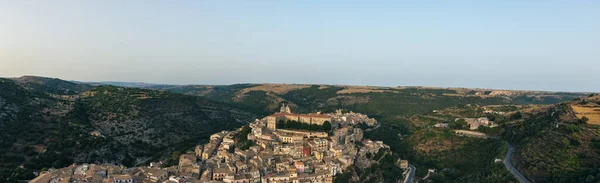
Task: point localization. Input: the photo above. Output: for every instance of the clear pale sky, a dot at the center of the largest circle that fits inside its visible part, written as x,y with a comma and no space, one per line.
506,44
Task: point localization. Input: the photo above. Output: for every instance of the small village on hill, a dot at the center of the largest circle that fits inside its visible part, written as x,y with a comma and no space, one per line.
282,147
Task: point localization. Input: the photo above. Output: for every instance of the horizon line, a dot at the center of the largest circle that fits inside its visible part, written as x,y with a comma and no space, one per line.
342,85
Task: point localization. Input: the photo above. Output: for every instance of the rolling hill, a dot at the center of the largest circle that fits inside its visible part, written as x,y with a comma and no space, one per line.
265,98
406,114
555,145
48,123
52,85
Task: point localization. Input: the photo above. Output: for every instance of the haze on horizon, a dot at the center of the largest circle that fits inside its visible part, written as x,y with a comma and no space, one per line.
532,45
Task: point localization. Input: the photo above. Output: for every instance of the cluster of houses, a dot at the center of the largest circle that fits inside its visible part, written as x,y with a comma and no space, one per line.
474,123
108,173
352,118
277,155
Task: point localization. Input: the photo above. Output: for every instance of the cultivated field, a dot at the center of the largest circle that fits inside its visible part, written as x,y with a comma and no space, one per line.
589,111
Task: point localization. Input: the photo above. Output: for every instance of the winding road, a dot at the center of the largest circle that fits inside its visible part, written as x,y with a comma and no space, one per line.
411,173
512,169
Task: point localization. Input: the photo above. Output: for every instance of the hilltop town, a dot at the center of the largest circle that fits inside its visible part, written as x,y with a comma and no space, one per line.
282,147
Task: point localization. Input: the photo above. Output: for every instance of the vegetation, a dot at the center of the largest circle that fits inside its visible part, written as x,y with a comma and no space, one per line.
461,159
584,119
516,116
346,176
389,103
384,169
505,108
52,85
242,138
311,98
456,158
525,99
292,124
39,130
552,146
458,124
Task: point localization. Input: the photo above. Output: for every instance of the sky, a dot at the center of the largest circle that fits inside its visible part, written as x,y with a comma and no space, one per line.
503,44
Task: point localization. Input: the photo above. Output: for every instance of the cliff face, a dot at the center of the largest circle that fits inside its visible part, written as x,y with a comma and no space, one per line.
41,128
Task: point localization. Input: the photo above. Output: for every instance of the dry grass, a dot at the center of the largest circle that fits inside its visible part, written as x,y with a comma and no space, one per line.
361,89
454,94
591,112
357,90
534,108
275,88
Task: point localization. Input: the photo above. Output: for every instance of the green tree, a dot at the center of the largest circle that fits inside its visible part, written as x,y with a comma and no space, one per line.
291,124
175,155
326,126
128,161
590,178
585,119
459,124
516,116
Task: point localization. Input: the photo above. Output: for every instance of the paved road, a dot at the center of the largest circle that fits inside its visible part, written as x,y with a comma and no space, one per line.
411,174
370,129
512,169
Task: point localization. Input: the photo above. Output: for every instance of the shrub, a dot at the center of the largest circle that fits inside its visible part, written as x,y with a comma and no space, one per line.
584,119
516,116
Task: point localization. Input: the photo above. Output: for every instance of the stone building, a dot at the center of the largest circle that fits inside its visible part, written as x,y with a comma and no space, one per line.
186,163
474,123
286,114
198,150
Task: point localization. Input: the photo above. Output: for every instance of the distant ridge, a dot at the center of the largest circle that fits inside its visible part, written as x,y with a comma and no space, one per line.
125,84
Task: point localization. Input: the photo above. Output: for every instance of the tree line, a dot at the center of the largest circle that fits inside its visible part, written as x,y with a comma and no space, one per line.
293,124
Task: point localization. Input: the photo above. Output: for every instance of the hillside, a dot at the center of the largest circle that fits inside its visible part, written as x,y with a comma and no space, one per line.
455,158
556,145
553,143
41,129
52,85
52,123
406,114
265,98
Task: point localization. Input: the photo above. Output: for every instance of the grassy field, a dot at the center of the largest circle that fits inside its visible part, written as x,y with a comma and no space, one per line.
589,111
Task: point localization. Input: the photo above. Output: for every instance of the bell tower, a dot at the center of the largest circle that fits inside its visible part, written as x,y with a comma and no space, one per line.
285,109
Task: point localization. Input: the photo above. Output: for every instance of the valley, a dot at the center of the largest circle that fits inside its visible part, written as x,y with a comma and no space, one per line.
53,123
